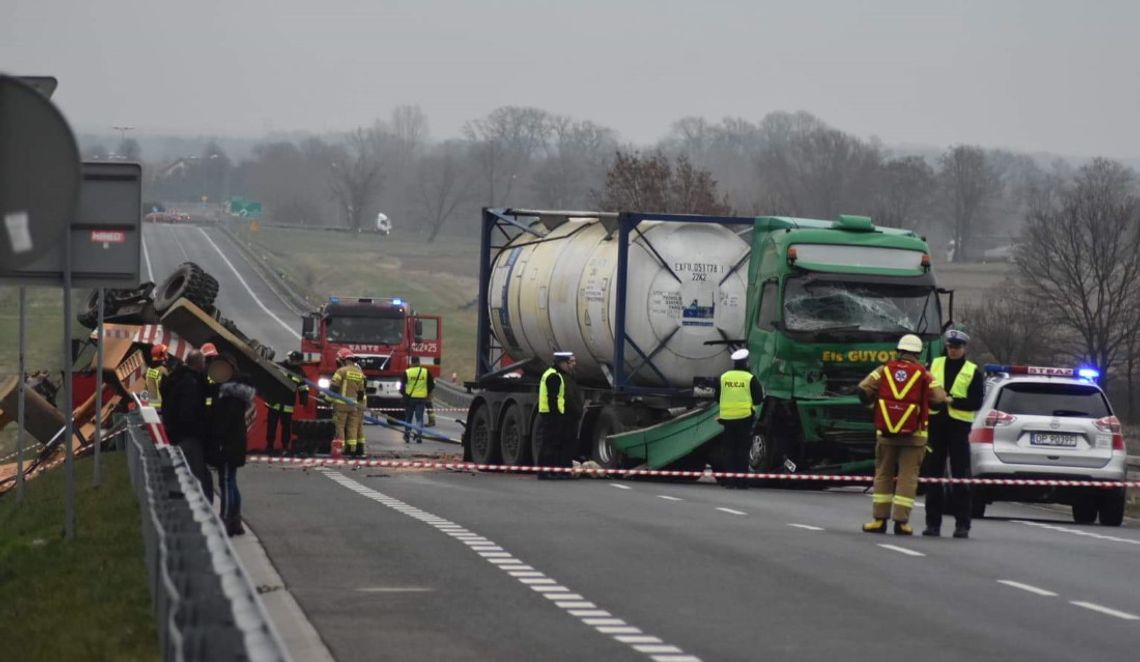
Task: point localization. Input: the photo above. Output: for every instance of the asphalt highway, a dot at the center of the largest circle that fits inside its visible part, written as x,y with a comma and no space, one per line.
437,565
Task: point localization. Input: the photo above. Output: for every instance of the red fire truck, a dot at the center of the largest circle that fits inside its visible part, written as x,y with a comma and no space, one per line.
384,334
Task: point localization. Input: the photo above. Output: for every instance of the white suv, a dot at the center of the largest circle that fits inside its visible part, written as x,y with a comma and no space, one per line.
1049,423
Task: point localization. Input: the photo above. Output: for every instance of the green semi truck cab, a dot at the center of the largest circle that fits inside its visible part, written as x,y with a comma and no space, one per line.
827,303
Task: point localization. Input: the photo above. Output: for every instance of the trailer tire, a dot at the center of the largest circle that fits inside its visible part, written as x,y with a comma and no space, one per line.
188,281
513,442
484,443
601,450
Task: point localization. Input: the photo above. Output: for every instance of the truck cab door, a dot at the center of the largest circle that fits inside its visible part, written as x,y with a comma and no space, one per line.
426,337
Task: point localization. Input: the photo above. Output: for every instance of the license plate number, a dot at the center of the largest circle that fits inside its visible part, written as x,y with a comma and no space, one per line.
1053,439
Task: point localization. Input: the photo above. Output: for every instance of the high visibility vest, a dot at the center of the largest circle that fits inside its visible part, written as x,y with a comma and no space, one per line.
960,390
736,395
416,379
544,396
902,408
154,377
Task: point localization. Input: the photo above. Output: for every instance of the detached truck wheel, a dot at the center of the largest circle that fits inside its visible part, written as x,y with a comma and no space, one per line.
188,281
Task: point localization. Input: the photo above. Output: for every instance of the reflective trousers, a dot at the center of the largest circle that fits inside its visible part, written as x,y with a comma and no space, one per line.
896,479
349,425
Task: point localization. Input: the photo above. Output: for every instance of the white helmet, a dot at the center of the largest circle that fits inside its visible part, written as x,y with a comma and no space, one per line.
910,343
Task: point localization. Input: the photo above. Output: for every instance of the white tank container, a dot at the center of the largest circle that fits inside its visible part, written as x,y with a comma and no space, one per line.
559,293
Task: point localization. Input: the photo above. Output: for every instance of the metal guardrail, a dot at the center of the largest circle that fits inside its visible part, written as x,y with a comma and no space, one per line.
1134,462
451,394
206,607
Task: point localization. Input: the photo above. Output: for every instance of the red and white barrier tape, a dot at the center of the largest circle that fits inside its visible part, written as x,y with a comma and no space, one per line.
658,473
401,410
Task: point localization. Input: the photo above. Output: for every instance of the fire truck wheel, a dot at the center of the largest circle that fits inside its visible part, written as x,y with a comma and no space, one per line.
189,281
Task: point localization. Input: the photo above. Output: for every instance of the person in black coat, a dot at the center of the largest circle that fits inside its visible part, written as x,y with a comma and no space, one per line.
228,430
184,410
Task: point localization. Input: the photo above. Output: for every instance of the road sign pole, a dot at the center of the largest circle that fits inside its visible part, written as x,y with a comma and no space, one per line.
21,388
99,391
66,406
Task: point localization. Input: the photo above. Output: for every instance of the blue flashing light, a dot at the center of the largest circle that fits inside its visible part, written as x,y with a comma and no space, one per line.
398,302
1088,374
334,299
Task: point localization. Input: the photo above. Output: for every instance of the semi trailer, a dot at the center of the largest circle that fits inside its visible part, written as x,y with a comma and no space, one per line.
654,304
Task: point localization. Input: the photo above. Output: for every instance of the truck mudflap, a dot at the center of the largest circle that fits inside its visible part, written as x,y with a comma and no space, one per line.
670,440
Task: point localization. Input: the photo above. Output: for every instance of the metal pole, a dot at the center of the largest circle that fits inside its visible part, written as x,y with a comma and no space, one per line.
67,407
23,369
99,391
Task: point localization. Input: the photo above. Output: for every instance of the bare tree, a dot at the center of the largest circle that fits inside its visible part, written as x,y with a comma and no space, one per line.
969,182
129,149
409,128
1080,260
655,184
1010,327
576,164
441,186
905,188
504,143
358,175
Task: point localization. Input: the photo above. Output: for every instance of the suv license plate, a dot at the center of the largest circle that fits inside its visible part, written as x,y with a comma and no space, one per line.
1053,439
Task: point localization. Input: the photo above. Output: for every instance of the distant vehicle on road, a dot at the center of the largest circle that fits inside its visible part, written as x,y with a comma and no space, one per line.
1053,424
383,224
1000,254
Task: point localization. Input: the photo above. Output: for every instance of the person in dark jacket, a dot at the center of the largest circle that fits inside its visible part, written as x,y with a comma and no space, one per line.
184,395
228,428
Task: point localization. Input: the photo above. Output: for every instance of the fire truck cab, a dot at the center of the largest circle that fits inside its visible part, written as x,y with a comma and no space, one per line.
384,334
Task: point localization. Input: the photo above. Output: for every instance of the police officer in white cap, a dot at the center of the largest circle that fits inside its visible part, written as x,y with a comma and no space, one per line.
559,410
739,393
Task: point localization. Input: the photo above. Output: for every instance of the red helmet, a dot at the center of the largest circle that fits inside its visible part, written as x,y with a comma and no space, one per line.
343,354
208,350
158,352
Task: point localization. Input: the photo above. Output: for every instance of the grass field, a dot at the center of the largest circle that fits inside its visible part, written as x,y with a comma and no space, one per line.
437,278
85,599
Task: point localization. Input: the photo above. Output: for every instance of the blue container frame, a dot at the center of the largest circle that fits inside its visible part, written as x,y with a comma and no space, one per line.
505,221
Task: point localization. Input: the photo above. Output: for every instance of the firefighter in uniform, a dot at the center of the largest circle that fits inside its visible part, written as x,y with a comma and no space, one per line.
559,410
155,373
901,393
283,411
950,433
739,392
348,382
416,389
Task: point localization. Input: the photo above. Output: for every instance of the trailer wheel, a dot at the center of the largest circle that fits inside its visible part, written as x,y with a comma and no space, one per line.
484,445
189,281
601,449
512,440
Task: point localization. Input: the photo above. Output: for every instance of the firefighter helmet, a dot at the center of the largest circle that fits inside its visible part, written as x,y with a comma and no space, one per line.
208,350
343,354
158,352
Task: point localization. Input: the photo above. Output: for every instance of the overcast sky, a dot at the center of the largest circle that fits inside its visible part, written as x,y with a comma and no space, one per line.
1033,75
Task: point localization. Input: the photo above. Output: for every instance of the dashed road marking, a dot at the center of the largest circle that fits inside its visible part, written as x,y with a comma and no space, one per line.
288,327
1028,588
1123,615
574,604
730,511
1078,532
395,589
146,258
621,487
669,498
901,550
806,527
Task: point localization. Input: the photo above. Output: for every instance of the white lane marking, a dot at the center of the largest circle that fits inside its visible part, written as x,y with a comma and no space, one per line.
901,550
669,498
807,527
574,604
410,589
621,487
730,511
1078,532
295,333
146,258
1106,610
1027,587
